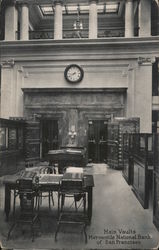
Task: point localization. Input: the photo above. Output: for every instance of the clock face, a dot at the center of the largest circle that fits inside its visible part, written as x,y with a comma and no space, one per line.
73,73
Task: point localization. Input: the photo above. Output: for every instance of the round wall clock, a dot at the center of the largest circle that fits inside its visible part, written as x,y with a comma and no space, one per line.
74,73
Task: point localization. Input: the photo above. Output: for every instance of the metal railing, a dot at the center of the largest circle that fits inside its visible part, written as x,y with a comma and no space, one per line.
71,34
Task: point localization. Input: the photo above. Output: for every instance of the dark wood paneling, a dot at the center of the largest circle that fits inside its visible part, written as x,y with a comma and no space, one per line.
156,153
11,146
140,183
32,142
156,182
116,130
49,136
127,158
156,200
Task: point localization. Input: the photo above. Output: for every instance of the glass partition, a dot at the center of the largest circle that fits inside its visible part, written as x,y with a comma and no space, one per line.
20,138
156,153
140,146
156,182
12,138
143,153
127,157
3,138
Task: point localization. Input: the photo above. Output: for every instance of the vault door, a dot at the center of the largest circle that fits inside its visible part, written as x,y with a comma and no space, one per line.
97,141
49,136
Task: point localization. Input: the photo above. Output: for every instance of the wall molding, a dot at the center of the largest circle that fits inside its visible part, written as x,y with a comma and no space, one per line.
82,49
76,90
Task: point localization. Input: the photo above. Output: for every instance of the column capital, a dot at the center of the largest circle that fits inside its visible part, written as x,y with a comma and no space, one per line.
143,61
7,63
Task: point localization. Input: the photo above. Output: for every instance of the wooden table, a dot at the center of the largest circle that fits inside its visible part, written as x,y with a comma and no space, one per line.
48,183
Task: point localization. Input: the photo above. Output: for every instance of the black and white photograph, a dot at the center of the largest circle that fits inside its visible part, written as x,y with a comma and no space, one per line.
79,124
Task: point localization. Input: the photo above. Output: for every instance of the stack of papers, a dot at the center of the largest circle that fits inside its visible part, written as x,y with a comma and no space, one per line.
74,170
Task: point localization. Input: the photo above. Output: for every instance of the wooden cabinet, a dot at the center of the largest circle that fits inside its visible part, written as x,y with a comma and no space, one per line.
138,171
140,168
32,142
156,182
11,146
127,170
115,142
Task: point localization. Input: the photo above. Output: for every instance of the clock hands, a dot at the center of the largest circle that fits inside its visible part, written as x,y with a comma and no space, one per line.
73,73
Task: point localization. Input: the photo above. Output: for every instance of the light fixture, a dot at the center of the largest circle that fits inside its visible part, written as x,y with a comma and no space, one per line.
78,25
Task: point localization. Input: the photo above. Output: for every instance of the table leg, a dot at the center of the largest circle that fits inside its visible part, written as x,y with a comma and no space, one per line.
90,203
7,201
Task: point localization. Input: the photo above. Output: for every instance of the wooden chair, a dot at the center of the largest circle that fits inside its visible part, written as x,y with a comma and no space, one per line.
49,194
29,207
72,189
22,174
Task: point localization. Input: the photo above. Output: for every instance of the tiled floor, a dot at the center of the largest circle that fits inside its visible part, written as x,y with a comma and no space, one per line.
115,210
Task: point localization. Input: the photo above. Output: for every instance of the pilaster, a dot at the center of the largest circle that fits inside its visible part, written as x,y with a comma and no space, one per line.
130,112
143,93
6,88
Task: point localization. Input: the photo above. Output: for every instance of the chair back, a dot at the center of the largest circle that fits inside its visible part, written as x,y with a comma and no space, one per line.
71,186
46,170
26,195
25,185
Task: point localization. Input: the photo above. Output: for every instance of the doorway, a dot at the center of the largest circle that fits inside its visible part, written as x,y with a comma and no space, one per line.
49,136
97,141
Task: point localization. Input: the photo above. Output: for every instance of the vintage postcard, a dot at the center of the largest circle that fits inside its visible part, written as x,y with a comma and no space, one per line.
79,124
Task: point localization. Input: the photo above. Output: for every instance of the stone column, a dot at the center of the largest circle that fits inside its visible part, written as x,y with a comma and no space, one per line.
19,106
93,19
143,93
24,22
11,22
130,100
58,26
129,18
6,88
145,18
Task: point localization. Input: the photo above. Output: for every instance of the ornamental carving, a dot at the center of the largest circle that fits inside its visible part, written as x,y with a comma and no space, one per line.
146,60
8,63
